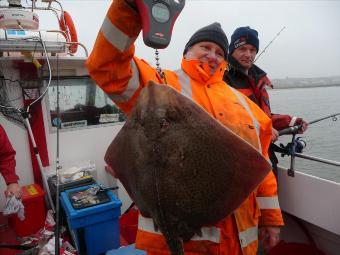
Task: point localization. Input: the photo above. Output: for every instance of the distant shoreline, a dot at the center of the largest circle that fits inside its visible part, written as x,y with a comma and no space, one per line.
289,83
289,86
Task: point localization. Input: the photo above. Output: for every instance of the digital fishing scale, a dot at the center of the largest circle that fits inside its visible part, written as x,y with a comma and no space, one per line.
158,19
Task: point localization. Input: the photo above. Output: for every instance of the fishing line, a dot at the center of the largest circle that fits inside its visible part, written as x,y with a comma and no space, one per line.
265,48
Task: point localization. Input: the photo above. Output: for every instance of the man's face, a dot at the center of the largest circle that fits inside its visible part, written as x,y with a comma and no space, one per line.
206,52
245,55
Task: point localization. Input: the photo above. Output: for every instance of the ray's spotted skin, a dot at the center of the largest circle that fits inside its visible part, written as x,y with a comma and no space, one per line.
175,161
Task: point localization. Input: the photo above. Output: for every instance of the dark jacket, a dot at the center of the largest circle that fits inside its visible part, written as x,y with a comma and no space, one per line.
254,85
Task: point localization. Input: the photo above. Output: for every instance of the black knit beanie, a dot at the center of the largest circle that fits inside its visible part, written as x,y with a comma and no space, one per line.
211,33
242,36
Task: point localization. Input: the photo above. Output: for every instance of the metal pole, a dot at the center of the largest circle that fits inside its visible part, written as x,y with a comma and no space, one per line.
36,152
321,160
58,167
292,159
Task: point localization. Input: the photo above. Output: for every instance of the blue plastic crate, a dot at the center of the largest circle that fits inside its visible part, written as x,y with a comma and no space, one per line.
127,250
99,224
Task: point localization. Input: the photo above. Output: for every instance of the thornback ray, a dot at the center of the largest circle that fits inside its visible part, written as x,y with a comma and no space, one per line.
180,166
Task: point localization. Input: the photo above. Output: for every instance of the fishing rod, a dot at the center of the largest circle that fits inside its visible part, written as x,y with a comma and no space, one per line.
294,149
258,56
296,146
296,129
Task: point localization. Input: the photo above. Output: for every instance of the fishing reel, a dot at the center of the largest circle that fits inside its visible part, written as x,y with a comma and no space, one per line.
158,19
292,149
295,146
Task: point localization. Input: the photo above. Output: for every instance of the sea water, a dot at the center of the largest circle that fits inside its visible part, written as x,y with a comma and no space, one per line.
322,138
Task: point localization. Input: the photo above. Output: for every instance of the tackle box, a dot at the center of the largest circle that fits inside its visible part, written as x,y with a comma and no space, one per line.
94,227
126,250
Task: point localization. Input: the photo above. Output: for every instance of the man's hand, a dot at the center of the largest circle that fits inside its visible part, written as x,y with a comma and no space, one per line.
304,125
269,237
14,189
275,135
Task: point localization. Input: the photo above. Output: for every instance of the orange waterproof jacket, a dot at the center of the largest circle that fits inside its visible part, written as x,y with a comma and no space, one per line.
121,75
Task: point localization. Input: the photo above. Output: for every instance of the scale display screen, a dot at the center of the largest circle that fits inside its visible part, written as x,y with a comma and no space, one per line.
160,12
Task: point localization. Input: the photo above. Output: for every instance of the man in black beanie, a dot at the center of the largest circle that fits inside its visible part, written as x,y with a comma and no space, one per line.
250,80
208,44
122,75
211,33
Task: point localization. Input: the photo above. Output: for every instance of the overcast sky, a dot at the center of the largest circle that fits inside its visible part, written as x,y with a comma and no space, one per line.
308,47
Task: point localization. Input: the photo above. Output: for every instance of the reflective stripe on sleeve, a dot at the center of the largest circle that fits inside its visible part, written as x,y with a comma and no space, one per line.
212,234
115,36
184,80
256,123
292,121
248,236
131,88
268,202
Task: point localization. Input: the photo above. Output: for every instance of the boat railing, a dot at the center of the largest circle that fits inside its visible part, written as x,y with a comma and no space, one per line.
296,146
16,36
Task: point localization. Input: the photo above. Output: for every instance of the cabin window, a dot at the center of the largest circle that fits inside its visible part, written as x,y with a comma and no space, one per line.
81,103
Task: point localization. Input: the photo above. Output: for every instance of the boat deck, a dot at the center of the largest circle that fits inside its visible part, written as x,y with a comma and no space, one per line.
8,236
